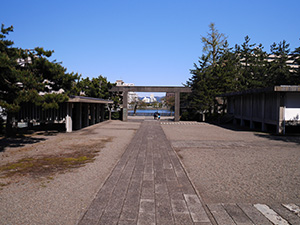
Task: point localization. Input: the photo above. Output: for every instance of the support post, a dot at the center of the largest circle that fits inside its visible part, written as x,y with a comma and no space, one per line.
242,113
102,112
281,110
125,102
109,112
85,115
263,125
177,106
69,118
97,113
251,112
92,109
78,119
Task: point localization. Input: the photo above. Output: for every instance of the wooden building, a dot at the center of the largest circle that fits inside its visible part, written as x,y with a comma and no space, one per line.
277,107
76,113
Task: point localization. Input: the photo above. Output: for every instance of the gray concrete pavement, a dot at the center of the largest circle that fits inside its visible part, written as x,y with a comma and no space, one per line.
229,165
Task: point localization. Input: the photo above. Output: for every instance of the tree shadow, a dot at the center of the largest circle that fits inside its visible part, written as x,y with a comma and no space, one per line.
288,138
232,127
27,136
18,141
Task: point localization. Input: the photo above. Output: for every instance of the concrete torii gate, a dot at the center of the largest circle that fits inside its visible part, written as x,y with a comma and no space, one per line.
175,90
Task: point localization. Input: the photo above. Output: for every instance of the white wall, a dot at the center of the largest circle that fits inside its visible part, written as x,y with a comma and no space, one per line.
292,106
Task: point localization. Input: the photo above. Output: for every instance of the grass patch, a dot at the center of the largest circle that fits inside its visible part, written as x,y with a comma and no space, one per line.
73,156
3,185
48,165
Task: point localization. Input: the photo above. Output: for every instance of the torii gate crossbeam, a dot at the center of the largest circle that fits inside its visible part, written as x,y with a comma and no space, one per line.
126,89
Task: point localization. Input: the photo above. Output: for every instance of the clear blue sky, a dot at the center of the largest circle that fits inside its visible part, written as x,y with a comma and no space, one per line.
141,41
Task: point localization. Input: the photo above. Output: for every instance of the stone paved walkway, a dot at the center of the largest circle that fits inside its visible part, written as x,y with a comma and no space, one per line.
150,186
147,186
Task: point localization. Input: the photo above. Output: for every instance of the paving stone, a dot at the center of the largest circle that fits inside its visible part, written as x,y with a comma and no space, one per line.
164,213
147,193
237,214
109,218
183,218
288,215
148,177
196,209
161,188
127,222
146,218
271,214
170,175
147,205
174,190
148,184
254,214
179,206
220,214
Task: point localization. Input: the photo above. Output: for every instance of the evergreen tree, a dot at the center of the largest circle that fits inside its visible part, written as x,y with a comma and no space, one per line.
97,88
28,76
207,79
201,82
279,72
252,60
295,74
213,43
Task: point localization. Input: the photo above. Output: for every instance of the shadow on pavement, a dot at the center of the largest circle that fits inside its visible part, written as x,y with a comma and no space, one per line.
286,138
18,142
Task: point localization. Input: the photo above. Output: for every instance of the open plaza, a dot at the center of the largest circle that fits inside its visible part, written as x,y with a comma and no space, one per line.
145,171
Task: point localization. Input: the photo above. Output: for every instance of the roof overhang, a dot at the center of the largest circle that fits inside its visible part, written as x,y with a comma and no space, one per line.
82,99
281,88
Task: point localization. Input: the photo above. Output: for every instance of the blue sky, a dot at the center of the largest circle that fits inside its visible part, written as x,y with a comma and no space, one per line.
144,42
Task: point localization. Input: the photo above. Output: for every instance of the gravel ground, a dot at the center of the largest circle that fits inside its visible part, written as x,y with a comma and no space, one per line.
61,198
236,166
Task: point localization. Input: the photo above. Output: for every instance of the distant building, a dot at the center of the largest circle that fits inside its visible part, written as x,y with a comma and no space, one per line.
146,100
152,98
290,62
149,99
132,96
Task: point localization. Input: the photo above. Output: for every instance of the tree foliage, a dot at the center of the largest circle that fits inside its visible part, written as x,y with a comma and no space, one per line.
29,76
212,43
221,69
97,87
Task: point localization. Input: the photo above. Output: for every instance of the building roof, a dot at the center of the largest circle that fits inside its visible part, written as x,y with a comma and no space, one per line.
83,99
281,88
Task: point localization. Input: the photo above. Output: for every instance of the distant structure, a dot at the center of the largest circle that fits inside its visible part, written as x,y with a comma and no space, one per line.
132,96
149,99
290,62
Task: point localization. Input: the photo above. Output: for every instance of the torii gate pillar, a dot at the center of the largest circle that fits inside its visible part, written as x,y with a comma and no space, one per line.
125,105
177,107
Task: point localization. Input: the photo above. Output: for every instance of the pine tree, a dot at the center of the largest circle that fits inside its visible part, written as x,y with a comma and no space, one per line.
279,71
213,43
28,76
295,74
